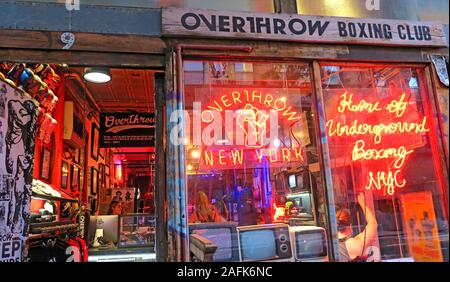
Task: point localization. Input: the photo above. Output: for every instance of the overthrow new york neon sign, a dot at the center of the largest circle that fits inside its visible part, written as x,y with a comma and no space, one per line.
255,115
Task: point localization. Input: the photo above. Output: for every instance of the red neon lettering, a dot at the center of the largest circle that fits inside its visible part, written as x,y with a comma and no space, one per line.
221,157
225,101
237,155
291,114
251,98
376,130
398,107
273,155
246,94
378,179
276,105
259,154
400,153
268,101
218,107
209,159
286,155
382,179
207,116
236,97
258,96
347,103
298,153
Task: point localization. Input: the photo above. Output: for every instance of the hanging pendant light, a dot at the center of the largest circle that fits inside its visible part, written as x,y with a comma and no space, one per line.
97,75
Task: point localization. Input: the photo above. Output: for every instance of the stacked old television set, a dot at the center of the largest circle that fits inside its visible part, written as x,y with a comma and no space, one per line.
267,242
299,181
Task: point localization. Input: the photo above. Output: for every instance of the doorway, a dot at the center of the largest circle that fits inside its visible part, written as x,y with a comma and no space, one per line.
83,174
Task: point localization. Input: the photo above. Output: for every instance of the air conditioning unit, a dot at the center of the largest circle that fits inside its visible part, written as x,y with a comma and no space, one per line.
73,125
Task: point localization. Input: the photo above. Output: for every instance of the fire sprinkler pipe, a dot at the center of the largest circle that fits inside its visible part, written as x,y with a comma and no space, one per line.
179,90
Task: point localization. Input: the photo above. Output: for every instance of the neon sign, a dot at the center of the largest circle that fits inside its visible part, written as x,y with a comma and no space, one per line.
383,161
251,98
236,157
279,213
253,123
249,111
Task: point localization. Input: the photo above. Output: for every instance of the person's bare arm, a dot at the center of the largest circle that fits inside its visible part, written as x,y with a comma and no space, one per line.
356,245
370,232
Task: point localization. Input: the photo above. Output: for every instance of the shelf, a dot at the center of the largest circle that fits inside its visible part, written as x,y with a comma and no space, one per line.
52,198
50,227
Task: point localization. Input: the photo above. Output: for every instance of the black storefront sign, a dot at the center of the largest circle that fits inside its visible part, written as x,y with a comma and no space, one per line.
127,130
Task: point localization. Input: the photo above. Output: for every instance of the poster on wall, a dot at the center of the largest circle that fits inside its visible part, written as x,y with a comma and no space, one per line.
421,226
18,124
125,196
127,130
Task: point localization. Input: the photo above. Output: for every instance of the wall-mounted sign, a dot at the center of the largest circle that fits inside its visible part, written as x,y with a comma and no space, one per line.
127,130
292,27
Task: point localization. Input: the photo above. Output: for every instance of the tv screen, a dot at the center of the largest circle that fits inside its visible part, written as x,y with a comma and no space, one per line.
222,238
292,181
258,245
310,244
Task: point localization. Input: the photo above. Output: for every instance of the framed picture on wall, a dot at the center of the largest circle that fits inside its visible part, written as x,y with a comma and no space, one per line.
46,160
95,141
75,178
64,174
94,181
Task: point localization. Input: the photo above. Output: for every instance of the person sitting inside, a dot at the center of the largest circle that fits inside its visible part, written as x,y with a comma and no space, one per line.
115,208
204,211
352,248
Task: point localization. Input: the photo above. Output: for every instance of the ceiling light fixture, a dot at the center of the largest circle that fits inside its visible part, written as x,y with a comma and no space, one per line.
97,75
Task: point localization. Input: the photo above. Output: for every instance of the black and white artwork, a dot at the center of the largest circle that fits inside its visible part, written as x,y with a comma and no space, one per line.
3,102
17,144
3,215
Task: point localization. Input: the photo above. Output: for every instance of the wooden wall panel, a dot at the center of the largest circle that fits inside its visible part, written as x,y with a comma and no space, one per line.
93,42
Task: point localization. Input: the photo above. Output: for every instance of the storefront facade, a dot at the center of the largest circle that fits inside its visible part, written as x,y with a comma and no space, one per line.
271,109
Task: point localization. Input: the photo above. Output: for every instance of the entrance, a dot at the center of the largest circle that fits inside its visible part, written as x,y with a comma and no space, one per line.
89,184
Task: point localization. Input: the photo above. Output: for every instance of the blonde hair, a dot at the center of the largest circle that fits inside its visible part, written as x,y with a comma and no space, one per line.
203,207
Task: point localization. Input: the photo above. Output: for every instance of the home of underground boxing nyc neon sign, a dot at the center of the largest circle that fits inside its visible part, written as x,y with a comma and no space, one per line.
387,179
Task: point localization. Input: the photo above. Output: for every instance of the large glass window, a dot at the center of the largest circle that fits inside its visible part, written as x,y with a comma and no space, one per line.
389,186
251,152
